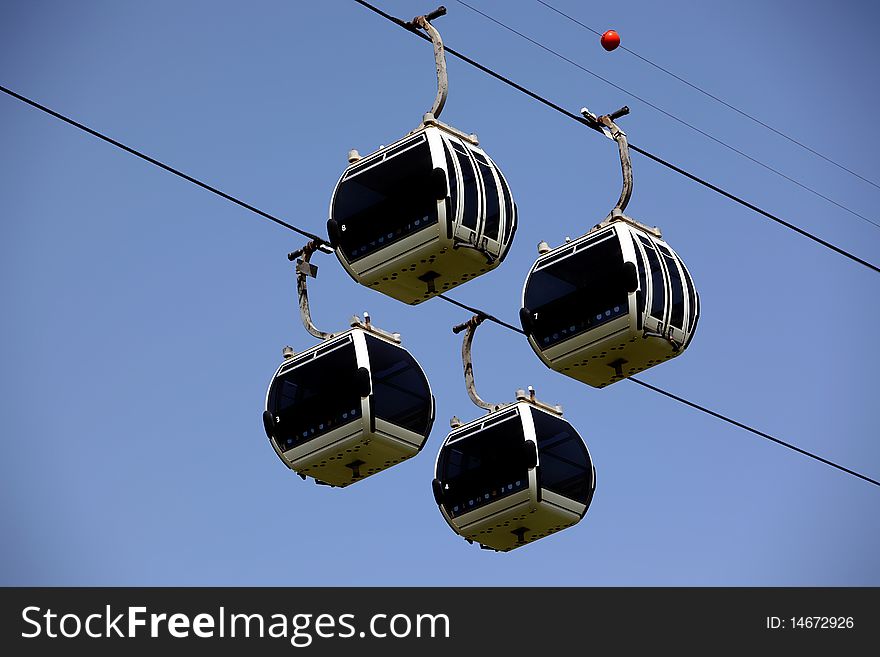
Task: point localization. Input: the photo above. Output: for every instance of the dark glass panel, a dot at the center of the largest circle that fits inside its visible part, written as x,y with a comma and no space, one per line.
692,298
470,206
592,239
400,390
564,463
658,289
386,202
577,293
453,183
479,157
484,466
676,318
510,219
493,207
316,397
640,266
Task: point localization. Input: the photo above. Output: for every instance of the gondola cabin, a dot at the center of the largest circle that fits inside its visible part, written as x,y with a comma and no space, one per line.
513,476
423,215
609,304
348,408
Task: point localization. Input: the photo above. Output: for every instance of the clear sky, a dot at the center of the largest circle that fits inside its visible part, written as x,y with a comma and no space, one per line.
143,317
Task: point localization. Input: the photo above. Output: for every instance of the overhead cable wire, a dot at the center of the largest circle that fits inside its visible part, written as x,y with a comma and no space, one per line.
659,160
714,97
684,401
708,411
481,313
450,300
161,165
671,116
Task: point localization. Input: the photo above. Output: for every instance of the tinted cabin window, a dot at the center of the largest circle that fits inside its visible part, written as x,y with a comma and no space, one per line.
493,206
509,219
316,397
483,466
658,291
676,317
564,463
577,293
692,301
400,390
453,184
640,267
470,207
385,202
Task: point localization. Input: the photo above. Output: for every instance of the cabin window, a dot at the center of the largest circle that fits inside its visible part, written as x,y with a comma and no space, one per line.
577,293
564,464
492,223
483,466
453,184
470,205
640,267
692,299
509,210
384,203
400,390
316,397
676,317
658,289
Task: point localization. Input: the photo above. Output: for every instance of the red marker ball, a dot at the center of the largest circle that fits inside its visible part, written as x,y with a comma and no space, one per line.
610,40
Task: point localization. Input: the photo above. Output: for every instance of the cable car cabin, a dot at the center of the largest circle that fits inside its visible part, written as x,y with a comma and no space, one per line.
609,304
513,476
423,215
348,408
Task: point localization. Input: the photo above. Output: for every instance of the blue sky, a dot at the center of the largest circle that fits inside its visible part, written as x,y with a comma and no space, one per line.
144,317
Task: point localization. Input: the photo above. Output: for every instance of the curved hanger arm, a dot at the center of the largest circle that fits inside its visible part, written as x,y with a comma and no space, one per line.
304,269
619,136
470,327
439,57
606,125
